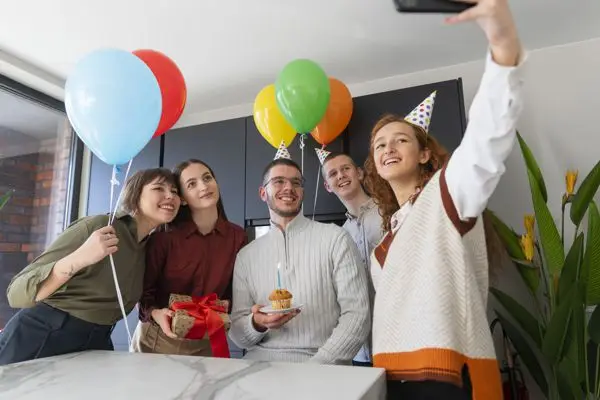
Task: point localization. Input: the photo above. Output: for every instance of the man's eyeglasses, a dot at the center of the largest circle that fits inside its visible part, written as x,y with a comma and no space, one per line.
279,182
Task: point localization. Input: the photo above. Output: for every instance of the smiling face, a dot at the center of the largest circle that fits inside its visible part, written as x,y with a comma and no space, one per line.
397,153
199,189
342,177
283,190
159,202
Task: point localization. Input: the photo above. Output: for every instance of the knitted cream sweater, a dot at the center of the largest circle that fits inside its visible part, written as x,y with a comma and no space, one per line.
321,267
430,308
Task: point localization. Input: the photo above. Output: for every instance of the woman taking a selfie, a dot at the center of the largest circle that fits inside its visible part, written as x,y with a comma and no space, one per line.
430,328
195,257
67,295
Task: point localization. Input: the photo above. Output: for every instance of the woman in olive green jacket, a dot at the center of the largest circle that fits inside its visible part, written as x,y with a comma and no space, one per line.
67,295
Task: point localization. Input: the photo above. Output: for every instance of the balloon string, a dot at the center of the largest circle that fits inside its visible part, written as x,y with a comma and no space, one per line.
112,212
316,193
302,160
302,153
317,187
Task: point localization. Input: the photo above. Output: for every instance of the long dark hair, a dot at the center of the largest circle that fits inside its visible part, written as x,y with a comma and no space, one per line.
184,213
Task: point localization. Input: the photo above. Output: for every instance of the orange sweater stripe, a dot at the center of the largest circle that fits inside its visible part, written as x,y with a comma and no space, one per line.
446,366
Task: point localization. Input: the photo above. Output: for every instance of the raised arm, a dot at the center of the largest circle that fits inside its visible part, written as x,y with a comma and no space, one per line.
351,286
476,166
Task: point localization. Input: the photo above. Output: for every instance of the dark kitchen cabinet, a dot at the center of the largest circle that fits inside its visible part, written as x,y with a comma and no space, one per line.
447,123
259,153
222,146
101,173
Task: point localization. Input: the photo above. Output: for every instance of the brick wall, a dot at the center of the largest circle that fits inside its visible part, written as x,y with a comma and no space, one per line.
35,214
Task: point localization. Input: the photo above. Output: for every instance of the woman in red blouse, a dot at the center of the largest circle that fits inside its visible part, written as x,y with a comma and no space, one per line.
195,257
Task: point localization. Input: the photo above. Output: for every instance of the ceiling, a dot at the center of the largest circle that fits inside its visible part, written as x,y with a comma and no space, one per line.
229,49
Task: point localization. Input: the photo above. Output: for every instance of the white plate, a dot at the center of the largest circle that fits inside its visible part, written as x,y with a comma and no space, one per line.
271,310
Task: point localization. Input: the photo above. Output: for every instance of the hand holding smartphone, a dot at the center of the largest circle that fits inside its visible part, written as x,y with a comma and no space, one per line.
493,17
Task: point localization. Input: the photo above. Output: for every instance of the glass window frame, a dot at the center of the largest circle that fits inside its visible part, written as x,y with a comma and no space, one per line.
77,147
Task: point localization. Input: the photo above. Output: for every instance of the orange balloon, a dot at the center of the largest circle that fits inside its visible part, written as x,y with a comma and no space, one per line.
338,114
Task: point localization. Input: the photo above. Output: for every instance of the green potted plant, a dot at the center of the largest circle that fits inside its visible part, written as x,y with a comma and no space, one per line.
554,340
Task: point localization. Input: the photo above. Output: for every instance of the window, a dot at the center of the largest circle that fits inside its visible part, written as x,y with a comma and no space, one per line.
36,166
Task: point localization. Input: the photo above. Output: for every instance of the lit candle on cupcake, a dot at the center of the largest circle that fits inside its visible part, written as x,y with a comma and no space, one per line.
278,275
280,298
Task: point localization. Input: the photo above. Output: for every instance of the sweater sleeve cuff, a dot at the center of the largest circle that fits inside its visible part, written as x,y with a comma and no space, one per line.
145,313
493,70
22,291
251,333
322,357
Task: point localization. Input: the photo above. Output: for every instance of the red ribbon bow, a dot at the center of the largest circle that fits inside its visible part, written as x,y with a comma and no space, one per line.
206,311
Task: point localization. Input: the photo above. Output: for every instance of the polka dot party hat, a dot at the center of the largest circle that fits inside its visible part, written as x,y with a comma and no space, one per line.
421,115
282,152
322,154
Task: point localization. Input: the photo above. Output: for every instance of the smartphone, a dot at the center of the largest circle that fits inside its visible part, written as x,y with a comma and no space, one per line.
432,6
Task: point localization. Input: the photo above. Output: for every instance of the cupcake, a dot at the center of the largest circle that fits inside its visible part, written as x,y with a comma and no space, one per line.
280,299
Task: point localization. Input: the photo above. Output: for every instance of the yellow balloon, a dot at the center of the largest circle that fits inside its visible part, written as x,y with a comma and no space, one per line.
268,119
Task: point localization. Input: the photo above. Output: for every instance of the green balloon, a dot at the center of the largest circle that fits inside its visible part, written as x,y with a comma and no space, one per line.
302,93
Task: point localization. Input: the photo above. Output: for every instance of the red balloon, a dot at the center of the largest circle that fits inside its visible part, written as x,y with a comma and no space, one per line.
172,87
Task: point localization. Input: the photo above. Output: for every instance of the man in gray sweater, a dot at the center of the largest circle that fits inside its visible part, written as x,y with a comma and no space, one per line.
319,265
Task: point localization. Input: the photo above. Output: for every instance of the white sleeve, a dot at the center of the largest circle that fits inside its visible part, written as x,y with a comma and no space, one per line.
476,166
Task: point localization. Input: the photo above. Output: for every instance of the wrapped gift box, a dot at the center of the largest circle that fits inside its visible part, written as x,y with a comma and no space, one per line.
182,322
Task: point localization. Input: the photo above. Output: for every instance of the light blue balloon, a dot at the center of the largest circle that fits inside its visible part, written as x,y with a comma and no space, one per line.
114,103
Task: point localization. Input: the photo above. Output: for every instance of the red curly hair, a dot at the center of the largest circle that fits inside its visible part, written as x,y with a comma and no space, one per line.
379,188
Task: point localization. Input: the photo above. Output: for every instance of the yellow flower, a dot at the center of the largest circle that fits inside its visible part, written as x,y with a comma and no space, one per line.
529,222
571,180
527,245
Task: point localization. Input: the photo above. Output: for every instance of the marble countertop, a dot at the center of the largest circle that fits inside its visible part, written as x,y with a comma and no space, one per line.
110,375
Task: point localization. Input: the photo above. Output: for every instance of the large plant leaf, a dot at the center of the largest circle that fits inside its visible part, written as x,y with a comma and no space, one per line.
555,339
592,353
579,339
532,166
573,364
5,197
570,271
591,259
594,326
526,321
529,274
585,194
568,388
554,253
535,364
508,236
566,381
